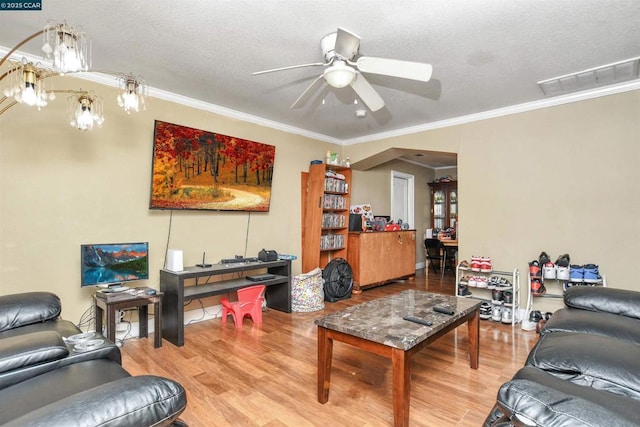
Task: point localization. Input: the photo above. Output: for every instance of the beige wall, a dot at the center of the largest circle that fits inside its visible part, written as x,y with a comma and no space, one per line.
374,187
561,179
61,188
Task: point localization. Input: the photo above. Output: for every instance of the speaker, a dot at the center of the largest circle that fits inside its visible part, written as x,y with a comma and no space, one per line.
174,260
355,222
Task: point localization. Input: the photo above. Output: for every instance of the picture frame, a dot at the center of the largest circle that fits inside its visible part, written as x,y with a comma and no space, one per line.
196,169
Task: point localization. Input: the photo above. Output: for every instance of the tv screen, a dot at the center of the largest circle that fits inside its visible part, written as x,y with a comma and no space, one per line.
112,263
203,170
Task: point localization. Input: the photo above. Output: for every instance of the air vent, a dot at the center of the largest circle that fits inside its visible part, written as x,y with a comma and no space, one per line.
591,79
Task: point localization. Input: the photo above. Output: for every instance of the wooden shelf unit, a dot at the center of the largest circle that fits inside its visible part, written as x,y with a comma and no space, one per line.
325,215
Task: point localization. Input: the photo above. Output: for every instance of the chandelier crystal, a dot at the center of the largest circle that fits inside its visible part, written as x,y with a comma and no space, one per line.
26,85
132,93
68,47
85,110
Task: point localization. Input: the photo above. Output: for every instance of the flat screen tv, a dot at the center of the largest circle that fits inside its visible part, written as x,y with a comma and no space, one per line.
203,170
113,263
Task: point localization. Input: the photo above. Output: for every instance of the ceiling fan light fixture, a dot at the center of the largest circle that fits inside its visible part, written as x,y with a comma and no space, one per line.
339,74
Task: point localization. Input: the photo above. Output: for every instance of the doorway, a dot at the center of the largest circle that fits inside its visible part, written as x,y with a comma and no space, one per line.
402,197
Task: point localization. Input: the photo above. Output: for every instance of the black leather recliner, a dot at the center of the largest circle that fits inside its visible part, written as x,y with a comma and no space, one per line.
45,382
584,369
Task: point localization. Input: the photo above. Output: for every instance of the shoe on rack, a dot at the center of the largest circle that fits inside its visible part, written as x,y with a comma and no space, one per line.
549,270
537,288
485,310
507,315
496,313
563,273
543,258
535,316
481,282
463,291
497,296
566,285
591,274
493,282
534,269
464,264
475,263
485,264
472,281
563,261
503,284
576,272
507,297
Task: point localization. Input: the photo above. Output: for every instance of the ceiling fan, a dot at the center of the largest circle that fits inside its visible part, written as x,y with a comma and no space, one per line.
344,67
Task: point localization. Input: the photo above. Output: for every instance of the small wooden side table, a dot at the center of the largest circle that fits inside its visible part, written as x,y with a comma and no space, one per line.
123,301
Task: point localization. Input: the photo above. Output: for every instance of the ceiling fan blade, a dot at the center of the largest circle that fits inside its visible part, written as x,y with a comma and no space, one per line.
291,67
347,43
367,93
395,68
303,97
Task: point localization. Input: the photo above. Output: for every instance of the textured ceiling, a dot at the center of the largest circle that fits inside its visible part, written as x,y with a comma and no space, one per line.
486,55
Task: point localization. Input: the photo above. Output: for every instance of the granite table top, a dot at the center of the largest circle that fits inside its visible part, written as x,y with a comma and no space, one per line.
381,320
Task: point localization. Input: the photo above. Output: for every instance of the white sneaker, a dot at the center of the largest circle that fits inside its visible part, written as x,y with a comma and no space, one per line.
507,315
549,270
563,273
481,282
496,313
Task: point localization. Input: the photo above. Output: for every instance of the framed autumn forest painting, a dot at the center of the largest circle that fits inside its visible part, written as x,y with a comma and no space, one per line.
202,170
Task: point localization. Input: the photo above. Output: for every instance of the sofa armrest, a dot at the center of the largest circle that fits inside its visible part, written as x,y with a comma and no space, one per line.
24,309
134,401
31,349
535,397
616,301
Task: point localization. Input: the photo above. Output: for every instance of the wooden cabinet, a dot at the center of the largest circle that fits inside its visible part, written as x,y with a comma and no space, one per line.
444,204
325,214
378,257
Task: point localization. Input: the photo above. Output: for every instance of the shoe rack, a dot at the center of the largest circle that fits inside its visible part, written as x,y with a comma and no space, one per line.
485,294
555,289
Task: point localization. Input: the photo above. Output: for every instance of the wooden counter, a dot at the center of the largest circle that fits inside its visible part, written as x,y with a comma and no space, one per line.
382,256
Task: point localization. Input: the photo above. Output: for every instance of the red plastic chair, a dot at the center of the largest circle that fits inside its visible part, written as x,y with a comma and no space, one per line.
249,304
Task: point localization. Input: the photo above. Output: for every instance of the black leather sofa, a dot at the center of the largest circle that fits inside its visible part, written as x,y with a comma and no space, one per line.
46,381
585,368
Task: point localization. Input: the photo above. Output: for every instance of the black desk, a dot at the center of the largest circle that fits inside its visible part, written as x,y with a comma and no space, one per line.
175,293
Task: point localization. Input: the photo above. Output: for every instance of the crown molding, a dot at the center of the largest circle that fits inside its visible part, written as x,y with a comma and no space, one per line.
108,80
514,109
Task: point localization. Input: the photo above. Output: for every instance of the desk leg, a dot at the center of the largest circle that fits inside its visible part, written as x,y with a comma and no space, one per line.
111,323
474,339
143,321
325,354
401,372
157,325
99,314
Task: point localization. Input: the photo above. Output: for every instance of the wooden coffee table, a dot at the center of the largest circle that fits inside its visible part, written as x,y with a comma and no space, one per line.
377,326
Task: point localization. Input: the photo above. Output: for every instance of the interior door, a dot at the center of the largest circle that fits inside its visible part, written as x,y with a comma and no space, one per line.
402,197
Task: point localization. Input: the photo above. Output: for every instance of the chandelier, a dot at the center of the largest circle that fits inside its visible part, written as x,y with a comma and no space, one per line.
132,92
85,109
69,51
27,86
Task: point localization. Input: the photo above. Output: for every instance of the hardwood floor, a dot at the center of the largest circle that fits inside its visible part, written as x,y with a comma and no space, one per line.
266,375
